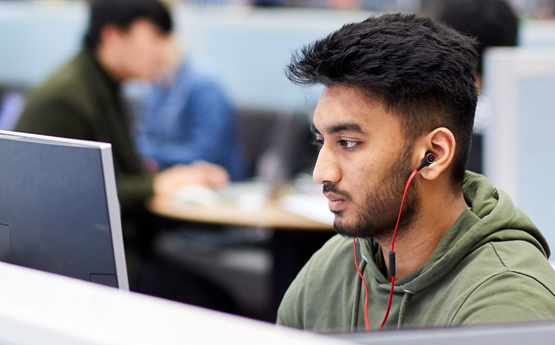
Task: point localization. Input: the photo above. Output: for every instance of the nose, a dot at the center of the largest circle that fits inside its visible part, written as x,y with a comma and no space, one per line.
326,168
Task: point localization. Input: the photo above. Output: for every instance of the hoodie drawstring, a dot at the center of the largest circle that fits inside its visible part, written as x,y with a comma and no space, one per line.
403,309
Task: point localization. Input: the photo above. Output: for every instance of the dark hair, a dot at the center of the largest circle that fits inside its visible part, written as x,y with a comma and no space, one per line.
422,70
491,22
122,13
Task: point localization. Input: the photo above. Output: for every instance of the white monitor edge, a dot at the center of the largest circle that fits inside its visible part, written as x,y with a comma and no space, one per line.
115,217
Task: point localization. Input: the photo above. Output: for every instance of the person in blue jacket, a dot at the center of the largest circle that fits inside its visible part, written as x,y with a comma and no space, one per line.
186,117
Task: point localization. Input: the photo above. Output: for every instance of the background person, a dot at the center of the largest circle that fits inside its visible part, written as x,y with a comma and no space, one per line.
185,116
124,40
491,24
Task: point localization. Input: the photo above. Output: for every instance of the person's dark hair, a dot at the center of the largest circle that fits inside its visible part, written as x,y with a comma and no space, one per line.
422,70
122,13
493,23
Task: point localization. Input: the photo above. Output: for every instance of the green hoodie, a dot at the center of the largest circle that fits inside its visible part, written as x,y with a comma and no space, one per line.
490,267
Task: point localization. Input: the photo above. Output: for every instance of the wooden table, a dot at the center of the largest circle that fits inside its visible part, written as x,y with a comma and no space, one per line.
270,216
295,238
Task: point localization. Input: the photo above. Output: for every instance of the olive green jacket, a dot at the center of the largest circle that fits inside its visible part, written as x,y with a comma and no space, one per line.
80,101
490,267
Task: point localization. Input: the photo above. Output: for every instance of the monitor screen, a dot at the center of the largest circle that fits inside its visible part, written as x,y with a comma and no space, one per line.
59,210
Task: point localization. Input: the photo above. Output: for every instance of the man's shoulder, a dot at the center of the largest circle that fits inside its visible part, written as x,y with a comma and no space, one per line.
200,79
523,258
510,259
514,256
503,281
69,83
64,105
68,92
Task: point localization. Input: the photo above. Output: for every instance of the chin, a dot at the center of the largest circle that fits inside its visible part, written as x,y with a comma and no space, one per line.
346,231
360,228
345,228
344,219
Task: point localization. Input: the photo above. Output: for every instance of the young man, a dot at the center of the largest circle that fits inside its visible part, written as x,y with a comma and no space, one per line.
125,40
398,88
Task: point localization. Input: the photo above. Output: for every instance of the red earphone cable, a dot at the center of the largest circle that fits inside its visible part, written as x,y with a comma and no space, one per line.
393,246
365,289
401,208
388,303
429,159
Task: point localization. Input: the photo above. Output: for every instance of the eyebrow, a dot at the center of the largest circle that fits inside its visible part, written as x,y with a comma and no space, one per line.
351,127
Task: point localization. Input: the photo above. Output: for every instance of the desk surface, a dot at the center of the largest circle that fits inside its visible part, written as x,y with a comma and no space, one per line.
43,308
271,216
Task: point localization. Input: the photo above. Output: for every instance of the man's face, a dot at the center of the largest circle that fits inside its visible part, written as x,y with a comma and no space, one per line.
363,163
142,50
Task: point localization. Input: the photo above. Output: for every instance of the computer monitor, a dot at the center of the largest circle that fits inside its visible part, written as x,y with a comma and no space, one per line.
59,210
518,148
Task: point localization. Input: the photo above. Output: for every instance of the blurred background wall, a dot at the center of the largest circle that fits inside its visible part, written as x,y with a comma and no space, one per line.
247,46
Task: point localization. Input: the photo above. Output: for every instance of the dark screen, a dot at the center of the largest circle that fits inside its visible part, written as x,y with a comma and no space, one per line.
53,210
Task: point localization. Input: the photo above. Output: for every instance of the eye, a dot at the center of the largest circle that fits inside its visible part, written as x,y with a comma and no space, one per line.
348,144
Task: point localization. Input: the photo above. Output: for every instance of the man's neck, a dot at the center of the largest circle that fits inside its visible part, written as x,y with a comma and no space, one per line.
418,241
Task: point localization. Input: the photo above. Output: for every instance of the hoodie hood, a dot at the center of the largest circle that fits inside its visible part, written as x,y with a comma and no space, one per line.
491,217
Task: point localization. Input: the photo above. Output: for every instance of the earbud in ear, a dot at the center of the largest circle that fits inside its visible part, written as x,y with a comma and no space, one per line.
429,159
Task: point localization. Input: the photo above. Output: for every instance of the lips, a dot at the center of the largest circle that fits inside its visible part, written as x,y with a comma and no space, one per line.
335,202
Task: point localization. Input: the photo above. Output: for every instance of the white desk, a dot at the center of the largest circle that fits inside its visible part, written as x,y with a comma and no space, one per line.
43,308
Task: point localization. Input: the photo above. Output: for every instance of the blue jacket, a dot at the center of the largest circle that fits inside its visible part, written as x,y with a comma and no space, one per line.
190,119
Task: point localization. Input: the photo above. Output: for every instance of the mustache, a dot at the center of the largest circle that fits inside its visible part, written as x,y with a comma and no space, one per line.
332,188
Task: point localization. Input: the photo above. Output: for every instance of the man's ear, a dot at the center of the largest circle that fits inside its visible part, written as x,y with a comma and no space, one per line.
441,142
109,34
